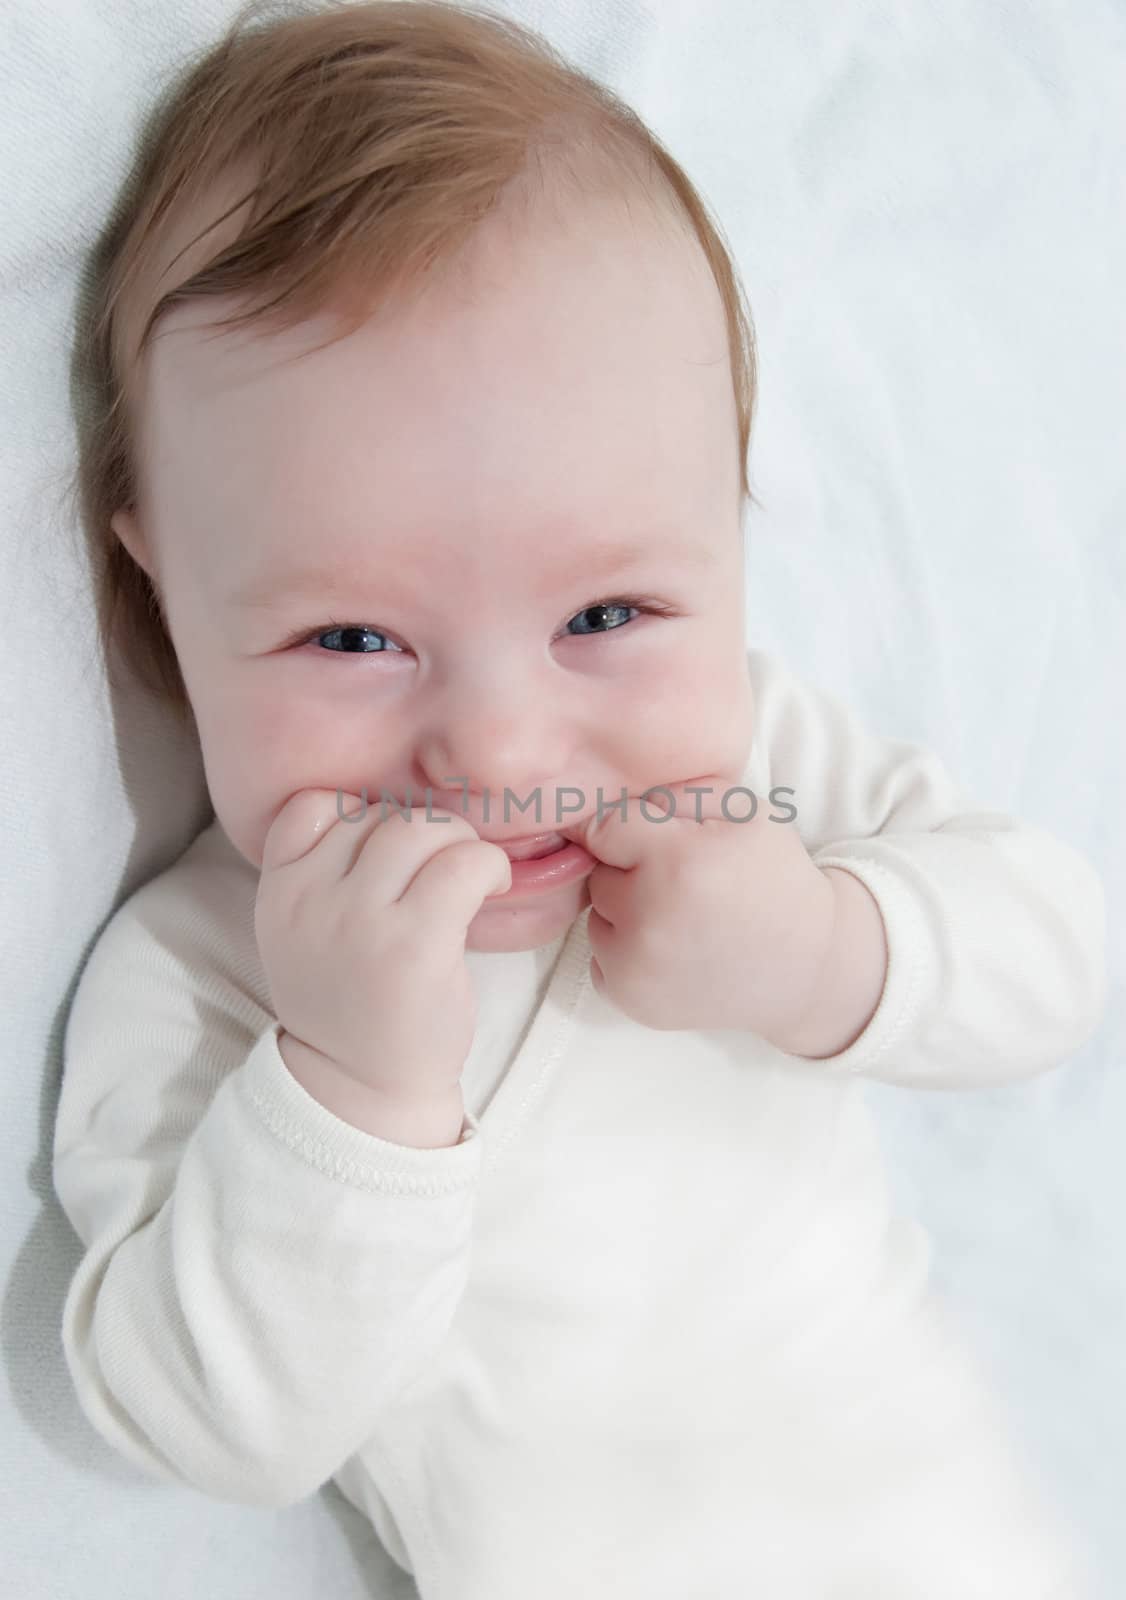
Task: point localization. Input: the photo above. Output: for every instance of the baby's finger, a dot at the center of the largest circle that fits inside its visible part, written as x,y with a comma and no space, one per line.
389,856
713,798
624,841
303,821
452,885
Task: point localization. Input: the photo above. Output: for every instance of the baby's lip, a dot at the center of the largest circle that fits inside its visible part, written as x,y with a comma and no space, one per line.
515,838
522,847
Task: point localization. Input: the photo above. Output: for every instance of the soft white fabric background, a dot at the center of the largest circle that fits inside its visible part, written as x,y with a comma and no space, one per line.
927,203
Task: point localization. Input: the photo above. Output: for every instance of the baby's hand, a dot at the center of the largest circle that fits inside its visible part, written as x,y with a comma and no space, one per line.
711,924
361,928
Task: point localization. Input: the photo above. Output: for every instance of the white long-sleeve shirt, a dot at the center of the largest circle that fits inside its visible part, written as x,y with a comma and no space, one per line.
650,1329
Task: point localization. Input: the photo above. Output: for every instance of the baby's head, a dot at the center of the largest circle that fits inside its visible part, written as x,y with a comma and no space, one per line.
432,476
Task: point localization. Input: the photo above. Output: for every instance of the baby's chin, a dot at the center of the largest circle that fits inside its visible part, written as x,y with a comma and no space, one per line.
526,924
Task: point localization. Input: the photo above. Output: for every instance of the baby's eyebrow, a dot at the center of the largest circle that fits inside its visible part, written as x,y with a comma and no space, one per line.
605,561
600,562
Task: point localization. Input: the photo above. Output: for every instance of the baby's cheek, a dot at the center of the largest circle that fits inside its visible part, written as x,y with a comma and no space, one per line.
696,726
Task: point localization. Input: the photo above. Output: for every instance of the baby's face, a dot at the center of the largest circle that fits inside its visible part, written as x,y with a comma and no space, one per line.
462,486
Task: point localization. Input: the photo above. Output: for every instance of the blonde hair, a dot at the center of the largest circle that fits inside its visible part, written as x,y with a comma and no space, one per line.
378,135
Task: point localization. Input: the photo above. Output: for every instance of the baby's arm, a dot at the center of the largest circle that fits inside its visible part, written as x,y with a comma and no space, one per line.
260,1279
995,929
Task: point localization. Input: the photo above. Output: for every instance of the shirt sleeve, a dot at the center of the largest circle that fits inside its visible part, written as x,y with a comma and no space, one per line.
260,1279
996,929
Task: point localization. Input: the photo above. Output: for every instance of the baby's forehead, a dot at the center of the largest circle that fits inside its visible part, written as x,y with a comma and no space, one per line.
454,365
557,363
549,241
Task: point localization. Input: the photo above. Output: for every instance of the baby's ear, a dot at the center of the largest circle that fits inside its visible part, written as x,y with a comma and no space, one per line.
125,525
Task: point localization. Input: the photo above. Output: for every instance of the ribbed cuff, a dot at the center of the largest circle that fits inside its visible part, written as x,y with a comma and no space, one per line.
911,968
341,1150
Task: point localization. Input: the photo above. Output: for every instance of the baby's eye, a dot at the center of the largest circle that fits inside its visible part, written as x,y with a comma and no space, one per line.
351,635
594,615
347,638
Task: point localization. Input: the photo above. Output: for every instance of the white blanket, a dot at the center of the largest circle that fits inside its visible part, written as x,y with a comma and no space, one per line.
927,204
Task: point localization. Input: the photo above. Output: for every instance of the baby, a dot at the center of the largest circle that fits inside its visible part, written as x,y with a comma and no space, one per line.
473,1115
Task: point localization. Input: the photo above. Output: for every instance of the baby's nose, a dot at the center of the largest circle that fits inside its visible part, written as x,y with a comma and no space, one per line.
481,747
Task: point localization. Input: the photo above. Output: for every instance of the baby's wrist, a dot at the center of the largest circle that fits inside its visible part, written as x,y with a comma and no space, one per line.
424,1124
850,980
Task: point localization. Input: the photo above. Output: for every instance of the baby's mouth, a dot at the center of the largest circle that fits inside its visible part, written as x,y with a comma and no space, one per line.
532,848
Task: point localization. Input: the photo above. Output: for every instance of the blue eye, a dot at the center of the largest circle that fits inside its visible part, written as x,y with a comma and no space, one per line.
608,616
600,613
351,633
